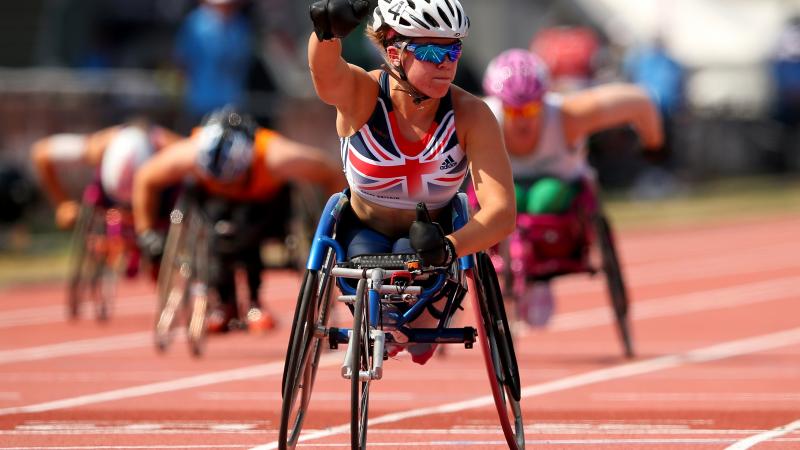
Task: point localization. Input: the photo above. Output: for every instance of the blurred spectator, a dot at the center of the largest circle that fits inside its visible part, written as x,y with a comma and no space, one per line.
651,67
214,48
570,53
786,110
654,69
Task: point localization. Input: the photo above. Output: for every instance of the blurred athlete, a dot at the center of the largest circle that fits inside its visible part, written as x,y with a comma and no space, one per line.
241,172
115,152
545,134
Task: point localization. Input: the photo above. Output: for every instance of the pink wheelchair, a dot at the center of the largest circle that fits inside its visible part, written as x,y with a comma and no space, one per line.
546,246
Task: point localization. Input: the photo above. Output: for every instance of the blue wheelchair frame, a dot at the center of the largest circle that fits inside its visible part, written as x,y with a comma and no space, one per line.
418,288
323,240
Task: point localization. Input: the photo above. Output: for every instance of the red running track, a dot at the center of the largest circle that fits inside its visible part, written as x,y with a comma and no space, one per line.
716,321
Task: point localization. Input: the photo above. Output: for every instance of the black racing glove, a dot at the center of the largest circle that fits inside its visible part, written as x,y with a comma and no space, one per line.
428,240
337,18
151,243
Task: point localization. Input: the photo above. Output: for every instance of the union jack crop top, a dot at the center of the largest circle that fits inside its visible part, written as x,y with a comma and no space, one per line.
383,167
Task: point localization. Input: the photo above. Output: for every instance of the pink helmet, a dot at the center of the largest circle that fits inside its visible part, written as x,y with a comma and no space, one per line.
516,77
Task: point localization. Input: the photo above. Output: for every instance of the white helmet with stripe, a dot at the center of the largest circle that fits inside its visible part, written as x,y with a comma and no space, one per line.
423,18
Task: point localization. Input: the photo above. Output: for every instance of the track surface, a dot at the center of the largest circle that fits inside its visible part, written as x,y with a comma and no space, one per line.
716,322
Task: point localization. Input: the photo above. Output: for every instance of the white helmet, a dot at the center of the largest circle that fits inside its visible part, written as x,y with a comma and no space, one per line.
128,150
423,18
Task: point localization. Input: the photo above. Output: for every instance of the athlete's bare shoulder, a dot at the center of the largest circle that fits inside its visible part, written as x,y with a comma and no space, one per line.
470,109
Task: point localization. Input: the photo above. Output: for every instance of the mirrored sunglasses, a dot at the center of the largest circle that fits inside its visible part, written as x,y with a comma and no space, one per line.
435,53
527,110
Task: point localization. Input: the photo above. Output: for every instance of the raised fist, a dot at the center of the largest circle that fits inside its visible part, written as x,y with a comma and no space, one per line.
337,18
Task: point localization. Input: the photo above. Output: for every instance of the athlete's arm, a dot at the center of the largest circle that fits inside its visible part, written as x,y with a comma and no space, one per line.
291,160
165,137
612,105
347,87
491,178
164,169
45,158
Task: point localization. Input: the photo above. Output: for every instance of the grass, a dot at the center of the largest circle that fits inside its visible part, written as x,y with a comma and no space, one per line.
44,257
745,199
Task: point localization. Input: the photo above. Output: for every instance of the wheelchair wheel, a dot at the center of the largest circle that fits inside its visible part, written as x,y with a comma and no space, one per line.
105,290
173,279
87,263
614,281
498,351
361,362
305,347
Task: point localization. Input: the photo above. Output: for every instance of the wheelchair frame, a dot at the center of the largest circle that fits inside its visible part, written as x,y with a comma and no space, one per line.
367,338
183,277
102,241
596,231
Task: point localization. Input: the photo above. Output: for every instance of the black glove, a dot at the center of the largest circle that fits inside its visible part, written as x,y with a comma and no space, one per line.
151,243
337,18
428,240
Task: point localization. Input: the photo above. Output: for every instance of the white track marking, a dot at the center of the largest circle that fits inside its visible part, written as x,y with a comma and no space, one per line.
622,443
706,354
130,305
119,342
225,376
123,306
125,447
727,297
762,437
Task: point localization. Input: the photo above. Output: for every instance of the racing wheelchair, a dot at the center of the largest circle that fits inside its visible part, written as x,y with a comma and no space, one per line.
103,246
200,224
546,246
383,283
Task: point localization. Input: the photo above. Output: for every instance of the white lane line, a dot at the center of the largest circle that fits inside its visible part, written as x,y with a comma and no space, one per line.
723,298
243,373
403,444
119,342
126,447
727,297
132,305
767,435
123,306
706,354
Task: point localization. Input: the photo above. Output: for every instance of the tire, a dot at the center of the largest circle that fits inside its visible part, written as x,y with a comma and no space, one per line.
498,351
196,329
615,282
105,291
303,353
78,284
361,362
173,279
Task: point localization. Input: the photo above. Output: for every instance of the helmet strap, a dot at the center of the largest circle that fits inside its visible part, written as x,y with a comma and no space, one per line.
399,74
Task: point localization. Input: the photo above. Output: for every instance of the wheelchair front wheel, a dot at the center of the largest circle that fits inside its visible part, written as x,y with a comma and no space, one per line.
498,350
614,281
303,353
196,329
360,363
173,280
83,263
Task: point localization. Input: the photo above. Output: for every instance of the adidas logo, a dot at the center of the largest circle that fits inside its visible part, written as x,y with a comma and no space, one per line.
448,163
